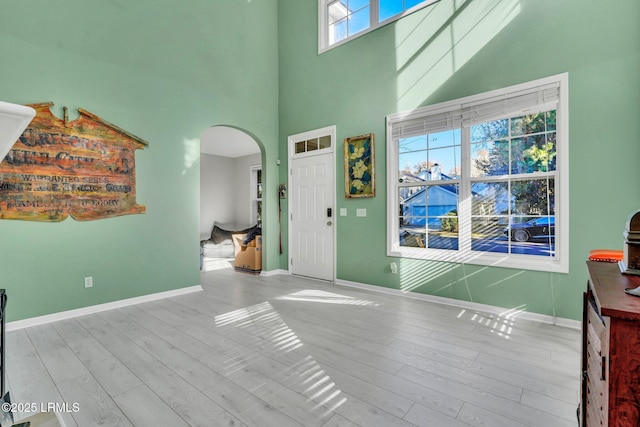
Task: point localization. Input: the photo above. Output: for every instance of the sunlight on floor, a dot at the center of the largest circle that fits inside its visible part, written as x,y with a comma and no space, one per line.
212,264
310,374
500,325
314,295
306,375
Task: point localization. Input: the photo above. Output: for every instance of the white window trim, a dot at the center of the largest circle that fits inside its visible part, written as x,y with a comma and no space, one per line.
559,263
323,23
253,193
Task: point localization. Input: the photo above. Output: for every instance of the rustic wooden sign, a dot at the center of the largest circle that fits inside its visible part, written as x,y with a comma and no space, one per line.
84,168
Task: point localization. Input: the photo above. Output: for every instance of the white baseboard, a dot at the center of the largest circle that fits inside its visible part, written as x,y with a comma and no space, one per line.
48,318
275,273
501,311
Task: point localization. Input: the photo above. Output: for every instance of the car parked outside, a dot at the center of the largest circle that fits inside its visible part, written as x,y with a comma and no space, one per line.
537,228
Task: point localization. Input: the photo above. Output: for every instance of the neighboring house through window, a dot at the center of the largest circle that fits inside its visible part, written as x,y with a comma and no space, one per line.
342,20
483,179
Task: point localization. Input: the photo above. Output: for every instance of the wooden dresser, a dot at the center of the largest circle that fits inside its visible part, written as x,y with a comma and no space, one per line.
610,349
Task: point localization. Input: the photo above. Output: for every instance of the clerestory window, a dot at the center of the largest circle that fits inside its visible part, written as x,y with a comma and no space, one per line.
483,179
343,20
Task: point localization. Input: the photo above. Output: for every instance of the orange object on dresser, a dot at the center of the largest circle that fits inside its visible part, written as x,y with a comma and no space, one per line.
606,255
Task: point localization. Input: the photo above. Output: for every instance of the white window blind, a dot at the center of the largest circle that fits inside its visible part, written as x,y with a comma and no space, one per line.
479,210
527,101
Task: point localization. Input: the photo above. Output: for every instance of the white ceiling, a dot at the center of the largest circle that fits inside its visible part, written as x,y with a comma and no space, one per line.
227,142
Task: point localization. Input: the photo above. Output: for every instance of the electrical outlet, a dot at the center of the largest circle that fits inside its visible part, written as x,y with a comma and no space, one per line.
88,282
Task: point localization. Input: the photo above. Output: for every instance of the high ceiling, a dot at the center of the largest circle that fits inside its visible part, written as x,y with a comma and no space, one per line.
227,142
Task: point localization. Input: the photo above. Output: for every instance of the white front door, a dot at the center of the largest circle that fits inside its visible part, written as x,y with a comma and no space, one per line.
312,204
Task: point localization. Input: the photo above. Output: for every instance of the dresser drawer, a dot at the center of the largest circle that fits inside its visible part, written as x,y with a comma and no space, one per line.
596,377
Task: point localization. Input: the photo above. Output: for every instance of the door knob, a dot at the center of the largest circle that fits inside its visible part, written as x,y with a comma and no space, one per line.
329,223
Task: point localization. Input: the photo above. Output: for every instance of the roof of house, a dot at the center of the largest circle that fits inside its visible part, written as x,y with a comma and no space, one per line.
450,188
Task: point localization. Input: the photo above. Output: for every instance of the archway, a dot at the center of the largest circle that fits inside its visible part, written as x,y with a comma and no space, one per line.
230,190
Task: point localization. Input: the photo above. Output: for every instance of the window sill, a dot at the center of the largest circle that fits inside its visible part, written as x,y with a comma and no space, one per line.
521,262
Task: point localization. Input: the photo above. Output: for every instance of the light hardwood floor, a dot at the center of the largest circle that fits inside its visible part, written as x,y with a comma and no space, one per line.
284,351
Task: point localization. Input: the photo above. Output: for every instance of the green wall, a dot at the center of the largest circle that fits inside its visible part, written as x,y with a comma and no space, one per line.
164,71
458,48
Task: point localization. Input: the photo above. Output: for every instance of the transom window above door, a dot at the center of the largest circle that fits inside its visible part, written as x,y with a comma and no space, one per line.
342,20
313,144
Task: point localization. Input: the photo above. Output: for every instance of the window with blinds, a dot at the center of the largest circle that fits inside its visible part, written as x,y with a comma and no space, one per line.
482,179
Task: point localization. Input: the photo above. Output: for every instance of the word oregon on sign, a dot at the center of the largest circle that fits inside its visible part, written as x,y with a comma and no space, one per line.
84,168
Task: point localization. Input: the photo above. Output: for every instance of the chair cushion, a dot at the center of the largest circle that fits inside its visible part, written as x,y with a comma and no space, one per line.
219,235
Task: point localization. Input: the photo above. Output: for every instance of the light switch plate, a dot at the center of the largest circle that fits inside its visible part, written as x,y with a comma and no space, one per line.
361,212
343,211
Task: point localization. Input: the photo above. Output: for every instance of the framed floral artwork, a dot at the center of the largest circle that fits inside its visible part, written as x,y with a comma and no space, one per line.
359,166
